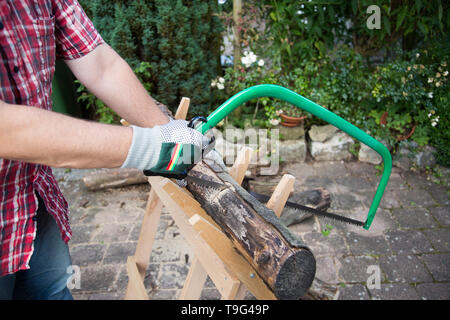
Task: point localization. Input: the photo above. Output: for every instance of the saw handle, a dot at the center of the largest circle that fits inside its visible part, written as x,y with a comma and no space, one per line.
278,92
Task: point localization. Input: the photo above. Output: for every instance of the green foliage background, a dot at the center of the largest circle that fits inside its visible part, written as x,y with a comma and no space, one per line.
180,39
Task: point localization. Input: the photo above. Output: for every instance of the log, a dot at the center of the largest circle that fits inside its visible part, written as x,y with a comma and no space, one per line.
112,178
281,259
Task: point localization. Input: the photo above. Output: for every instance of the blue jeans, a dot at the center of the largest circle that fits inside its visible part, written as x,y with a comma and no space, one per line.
47,277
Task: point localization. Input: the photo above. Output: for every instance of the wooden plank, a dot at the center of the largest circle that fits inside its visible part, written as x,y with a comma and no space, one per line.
179,204
281,194
224,248
183,109
148,231
136,289
195,281
237,171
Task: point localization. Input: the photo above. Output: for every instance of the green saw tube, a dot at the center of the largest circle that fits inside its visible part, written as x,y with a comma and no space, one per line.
275,91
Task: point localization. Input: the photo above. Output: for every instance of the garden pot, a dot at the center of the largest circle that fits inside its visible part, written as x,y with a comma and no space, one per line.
288,121
400,136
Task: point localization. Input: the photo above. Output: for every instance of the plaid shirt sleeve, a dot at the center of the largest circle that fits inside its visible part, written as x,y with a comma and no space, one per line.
75,34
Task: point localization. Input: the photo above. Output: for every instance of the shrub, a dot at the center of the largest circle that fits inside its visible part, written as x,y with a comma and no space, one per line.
180,39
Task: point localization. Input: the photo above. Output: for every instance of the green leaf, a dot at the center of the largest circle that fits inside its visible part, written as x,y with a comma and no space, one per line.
423,27
401,16
273,16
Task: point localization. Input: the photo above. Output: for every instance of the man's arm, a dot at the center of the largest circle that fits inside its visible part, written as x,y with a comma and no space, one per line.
110,79
39,136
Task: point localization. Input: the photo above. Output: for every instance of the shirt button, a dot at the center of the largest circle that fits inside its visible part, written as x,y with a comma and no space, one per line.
16,69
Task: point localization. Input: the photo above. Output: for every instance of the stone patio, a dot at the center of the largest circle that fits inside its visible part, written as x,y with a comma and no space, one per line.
408,243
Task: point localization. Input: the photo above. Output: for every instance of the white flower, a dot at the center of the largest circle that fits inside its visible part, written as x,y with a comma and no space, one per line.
261,62
430,95
213,83
438,84
221,80
429,115
445,73
248,59
274,122
278,112
220,86
430,80
417,55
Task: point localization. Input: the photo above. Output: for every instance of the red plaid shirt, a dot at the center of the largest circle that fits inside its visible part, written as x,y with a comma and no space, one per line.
32,35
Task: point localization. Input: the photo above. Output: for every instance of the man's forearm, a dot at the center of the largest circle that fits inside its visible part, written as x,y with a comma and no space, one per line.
110,78
39,136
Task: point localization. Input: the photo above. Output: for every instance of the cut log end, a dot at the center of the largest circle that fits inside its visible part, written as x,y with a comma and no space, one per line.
295,276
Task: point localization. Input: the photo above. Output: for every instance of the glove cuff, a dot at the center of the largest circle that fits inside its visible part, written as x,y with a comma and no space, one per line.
145,148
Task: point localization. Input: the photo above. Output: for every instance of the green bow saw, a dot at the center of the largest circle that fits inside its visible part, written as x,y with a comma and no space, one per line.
275,91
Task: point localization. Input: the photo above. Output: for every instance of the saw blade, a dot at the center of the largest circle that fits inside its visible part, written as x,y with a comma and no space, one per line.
264,198
205,183
314,211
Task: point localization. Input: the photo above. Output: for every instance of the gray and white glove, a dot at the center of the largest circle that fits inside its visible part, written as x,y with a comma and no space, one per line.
168,150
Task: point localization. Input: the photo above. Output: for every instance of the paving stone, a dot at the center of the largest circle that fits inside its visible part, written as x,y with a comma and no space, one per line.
404,268
82,234
416,179
439,265
440,238
319,182
361,169
353,292
364,245
331,169
415,198
345,202
354,268
164,294
112,232
151,280
381,223
97,278
441,214
434,291
210,294
106,296
118,252
355,183
299,169
394,291
325,245
87,254
440,194
170,251
411,218
408,242
172,275
326,269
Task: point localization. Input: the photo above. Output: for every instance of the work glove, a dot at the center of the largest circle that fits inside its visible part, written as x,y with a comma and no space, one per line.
169,150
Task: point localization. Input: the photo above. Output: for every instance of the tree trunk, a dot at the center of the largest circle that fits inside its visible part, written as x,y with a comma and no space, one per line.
280,258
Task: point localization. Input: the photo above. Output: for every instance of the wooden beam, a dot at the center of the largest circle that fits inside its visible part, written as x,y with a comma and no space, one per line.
183,109
281,194
237,171
136,289
195,281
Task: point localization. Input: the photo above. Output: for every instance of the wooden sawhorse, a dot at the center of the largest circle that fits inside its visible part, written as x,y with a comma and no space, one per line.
214,253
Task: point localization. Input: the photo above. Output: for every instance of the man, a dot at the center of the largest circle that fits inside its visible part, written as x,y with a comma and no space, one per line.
34,224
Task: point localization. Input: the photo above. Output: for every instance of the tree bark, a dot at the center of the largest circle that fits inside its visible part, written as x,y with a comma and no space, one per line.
112,178
284,262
